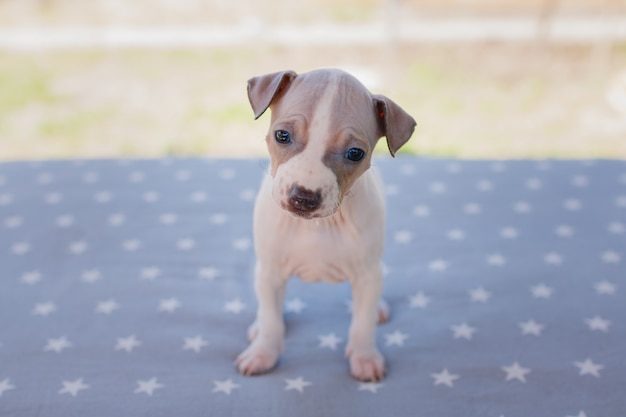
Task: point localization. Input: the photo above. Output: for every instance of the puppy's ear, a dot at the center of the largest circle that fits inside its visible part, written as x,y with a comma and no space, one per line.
264,89
393,122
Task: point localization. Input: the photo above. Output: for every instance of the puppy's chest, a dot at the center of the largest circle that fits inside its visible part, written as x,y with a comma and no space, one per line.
322,255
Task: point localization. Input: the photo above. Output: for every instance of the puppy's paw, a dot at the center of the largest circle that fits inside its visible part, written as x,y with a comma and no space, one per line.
257,359
253,331
384,312
367,367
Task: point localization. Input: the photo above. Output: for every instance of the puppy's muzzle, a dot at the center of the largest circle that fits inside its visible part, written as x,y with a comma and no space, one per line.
303,201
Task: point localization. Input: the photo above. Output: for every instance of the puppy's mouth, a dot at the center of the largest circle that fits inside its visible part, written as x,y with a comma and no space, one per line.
306,214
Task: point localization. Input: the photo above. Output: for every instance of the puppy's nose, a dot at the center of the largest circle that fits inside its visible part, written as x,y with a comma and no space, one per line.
304,200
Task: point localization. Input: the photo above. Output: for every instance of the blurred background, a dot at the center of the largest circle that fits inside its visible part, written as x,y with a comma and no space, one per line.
147,78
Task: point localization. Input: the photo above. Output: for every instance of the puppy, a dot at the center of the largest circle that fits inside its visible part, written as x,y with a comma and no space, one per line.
320,212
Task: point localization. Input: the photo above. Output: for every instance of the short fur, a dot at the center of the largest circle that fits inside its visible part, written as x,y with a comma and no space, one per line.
318,214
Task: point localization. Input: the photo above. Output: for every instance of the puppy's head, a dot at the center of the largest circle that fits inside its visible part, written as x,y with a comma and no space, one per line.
324,127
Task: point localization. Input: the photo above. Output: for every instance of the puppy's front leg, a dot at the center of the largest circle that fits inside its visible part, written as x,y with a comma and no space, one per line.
268,330
366,363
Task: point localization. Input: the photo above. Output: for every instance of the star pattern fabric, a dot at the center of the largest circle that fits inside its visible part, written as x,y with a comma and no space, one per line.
126,289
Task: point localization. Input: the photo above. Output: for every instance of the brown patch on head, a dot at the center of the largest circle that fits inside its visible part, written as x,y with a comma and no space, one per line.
293,113
355,127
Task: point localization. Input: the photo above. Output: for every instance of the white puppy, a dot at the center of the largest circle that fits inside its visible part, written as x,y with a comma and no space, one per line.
320,213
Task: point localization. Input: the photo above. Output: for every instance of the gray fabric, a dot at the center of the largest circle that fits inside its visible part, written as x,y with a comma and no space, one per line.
527,254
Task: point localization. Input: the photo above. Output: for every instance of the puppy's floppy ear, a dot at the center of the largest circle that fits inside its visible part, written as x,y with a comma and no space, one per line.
393,122
264,89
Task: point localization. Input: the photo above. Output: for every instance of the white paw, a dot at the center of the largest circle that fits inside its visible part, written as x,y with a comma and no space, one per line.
253,331
258,358
367,367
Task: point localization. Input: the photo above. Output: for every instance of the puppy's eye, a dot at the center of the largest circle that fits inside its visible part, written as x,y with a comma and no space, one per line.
355,154
282,136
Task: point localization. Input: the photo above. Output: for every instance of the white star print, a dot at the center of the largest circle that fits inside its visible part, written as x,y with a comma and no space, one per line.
444,378
31,277
620,201
169,305
91,276
598,323
5,199
148,386
57,345
78,247
136,177
53,198
522,207
208,273
542,291
617,228
65,220
580,181
396,338
516,371
611,257
183,175
218,218
437,187
372,387
44,178
391,189
116,219
479,295
127,343
295,306
20,248
247,195
103,197
589,368
227,174
472,208
531,327
407,169
534,184
456,234
151,196
464,331
73,387
496,260
498,166
131,245
438,265
572,204
107,307
225,386
419,300
509,233
453,168
605,287
330,341
403,237
235,306
150,273
484,185
186,244
580,414
564,231
199,197
13,222
421,211
242,243
553,259
90,177
168,218
195,343
297,384
44,309
5,385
